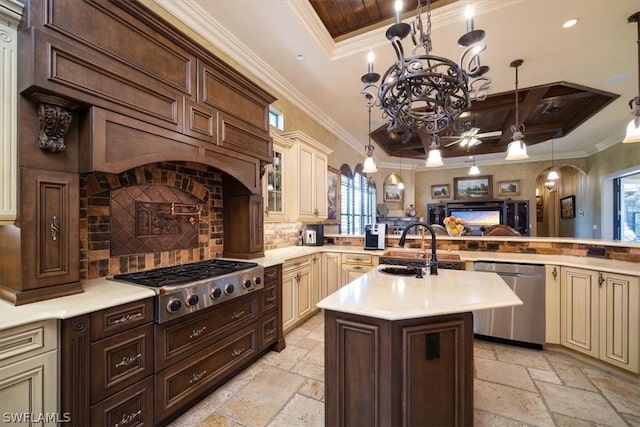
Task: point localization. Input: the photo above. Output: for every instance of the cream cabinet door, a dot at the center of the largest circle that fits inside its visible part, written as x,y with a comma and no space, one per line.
316,279
619,323
331,272
306,177
30,387
320,183
304,292
579,323
289,286
352,272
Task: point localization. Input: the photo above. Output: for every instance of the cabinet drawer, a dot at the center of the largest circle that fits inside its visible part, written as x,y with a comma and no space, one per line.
294,264
362,259
269,299
121,360
268,330
121,318
26,341
272,274
131,407
178,385
178,339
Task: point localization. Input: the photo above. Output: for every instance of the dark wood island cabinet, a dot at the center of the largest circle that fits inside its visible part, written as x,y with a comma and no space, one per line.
399,349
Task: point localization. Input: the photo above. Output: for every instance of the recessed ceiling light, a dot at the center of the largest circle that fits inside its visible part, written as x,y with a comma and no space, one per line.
300,57
570,23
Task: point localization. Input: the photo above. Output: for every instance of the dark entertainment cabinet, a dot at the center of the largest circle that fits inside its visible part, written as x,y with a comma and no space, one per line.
514,213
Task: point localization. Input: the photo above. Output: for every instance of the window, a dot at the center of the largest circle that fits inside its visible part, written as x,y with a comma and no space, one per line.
358,200
276,118
627,206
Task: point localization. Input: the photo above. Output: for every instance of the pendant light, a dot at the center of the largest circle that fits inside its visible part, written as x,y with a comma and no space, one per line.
633,129
474,170
517,150
434,158
553,174
369,161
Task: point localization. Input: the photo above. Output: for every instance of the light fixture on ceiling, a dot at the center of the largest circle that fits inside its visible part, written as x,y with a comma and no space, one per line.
517,149
553,174
474,170
633,129
570,23
434,158
549,185
369,161
426,93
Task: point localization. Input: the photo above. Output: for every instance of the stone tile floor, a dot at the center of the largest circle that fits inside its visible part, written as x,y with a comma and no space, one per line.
512,387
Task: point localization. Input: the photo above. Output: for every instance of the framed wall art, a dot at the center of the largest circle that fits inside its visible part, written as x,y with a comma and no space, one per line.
568,207
476,187
508,188
392,193
440,191
333,196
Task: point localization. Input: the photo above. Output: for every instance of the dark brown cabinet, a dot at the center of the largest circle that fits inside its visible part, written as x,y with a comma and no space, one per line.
44,258
436,213
517,215
106,366
407,372
243,226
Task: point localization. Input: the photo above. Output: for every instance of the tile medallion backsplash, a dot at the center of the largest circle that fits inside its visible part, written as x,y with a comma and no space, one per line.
126,220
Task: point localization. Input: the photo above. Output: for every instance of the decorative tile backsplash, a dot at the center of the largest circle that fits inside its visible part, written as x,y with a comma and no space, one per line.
126,223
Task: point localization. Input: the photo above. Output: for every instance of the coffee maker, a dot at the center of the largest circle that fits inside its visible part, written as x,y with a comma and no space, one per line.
313,234
374,235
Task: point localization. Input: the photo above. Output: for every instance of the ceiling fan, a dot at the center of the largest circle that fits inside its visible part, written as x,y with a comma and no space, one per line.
471,137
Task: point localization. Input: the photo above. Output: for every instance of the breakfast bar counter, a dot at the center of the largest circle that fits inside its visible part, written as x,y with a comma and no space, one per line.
399,349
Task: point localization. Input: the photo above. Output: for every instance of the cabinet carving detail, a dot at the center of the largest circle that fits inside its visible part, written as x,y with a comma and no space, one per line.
55,117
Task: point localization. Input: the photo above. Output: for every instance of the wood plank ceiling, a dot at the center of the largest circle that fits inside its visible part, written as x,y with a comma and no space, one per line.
344,19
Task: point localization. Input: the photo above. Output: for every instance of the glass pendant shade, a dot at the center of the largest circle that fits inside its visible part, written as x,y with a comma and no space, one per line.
549,184
633,131
517,150
474,170
435,159
401,185
553,175
369,165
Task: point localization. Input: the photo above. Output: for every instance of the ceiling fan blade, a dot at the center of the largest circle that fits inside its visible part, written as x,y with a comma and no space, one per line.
453,143
489,134
474,141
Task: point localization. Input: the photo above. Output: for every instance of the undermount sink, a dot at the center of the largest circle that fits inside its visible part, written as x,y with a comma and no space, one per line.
399,271
417,254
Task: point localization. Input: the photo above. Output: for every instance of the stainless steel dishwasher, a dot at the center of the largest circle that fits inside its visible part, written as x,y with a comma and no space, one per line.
523,324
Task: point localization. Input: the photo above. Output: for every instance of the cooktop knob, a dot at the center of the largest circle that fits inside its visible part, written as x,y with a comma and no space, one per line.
229,289
173,305
247,284
217,293
192,300
257,280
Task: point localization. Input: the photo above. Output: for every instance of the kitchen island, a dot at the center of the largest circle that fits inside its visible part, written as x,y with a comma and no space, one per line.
399,349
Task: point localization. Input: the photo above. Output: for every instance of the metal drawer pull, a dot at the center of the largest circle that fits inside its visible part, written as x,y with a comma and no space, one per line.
357,267
298,277
127,418
554,273
128,360
271,331
197,377
127,318
237,315
600,279
237,352
54,228
271,299
197,332
271,275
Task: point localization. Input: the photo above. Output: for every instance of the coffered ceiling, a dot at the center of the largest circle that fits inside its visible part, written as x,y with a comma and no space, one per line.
588,71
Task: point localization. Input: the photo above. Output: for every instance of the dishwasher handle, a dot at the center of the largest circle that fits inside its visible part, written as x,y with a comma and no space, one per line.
501,273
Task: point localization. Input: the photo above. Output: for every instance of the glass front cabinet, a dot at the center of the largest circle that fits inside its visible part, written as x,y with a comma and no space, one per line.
274,183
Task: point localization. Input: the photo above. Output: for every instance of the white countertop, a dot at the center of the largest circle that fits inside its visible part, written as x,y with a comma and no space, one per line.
391,297
98,294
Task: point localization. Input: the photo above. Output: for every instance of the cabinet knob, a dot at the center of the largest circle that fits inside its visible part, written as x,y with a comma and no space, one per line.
298,277
554,273
600,279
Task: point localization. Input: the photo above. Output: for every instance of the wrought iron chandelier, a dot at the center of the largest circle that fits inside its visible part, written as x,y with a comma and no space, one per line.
423,92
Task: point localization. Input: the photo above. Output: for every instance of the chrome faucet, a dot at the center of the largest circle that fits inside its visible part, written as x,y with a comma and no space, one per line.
433,262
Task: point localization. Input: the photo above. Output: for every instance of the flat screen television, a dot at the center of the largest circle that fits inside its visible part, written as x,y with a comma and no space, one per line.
476,218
